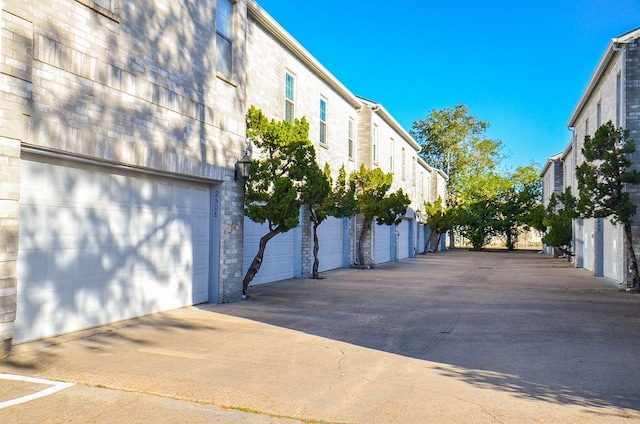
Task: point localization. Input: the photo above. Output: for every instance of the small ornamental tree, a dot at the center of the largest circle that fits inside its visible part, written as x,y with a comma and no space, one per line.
277,177
523,194
602,181
478,222
559,216
374,202
440,219
325,199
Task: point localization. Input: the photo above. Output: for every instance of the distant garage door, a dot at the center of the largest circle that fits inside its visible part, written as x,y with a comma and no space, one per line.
330,236
404,239
279,259
99,245
383,243
613,251
588,246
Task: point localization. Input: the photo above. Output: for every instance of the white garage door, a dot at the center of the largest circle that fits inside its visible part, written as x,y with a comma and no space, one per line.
383,243
330,235
588,247
404,239
421,238
278,262
613,251
99,245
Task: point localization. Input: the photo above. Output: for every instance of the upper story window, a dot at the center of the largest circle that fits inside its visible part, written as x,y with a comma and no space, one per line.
224,37
391,149
586,127
108,8
289,102
618,100
374,144
404,167
599,115
107,4
351,138
323,121
413,170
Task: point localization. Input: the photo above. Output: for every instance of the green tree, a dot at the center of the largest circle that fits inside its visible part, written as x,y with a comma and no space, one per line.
374,201
478,222
455,142
277,178
559,216
440,219
523,194
324,199
602,183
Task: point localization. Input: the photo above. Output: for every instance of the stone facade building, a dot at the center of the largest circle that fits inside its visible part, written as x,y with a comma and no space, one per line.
121,123
612,94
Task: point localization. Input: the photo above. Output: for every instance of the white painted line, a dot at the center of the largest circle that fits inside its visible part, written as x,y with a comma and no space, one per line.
56,386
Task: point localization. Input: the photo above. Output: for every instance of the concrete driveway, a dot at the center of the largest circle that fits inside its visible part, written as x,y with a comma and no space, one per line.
477,337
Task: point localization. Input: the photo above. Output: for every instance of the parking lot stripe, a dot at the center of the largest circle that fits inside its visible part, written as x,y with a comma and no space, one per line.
56,386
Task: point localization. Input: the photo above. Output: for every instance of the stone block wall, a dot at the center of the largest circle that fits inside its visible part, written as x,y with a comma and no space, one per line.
632,122
135,87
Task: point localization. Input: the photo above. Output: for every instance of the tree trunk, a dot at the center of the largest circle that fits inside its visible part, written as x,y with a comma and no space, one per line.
633,261
316,248
257,261
430,240
428,243
366,229
509,243
438,242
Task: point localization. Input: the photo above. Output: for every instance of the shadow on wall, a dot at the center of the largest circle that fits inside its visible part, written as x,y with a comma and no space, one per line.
99,246
96,244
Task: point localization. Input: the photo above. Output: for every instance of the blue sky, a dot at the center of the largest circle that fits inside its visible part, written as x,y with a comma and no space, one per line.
520,66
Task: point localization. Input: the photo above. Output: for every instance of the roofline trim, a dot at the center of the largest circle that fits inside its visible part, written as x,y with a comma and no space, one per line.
281,35
604,62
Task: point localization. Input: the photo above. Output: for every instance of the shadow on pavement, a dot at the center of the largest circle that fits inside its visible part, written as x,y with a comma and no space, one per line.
518,322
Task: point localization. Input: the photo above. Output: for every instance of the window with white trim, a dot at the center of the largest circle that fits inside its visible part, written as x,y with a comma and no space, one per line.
404,167
374,144
107,4
414,160
289,98
391,149
224,37
108,8
323,121
351,138
618,100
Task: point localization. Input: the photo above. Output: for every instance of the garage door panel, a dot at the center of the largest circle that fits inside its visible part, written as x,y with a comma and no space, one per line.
142,192
117,245
613,251
92,265
59,183
278,263
330,235
403,238
201,204
382,243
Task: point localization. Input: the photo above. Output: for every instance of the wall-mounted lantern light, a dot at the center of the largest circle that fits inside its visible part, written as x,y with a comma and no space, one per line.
242,168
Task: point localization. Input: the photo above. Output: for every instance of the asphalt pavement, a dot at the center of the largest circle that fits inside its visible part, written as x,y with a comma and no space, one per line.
453,337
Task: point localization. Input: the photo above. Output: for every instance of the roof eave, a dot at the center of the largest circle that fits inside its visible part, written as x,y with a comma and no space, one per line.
609,53
280,34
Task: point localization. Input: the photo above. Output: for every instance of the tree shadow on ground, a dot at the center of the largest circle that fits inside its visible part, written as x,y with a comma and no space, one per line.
554,335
